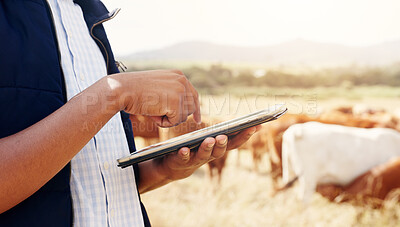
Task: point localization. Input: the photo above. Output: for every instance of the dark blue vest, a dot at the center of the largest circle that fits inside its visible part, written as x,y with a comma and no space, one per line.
32,87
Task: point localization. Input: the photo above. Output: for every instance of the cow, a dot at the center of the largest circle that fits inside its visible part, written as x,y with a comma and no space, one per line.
344,109
382,119
217,165
244,147
369,116
371,188
258,145
340,116
274,132
325,153
362,109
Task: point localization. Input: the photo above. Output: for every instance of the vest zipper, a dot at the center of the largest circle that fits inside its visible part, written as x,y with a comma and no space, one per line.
121,66
116,11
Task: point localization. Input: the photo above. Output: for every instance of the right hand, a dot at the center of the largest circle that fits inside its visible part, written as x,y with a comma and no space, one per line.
166,96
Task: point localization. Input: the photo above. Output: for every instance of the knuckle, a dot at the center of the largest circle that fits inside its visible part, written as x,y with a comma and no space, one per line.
180,88
177,71
184,159
182,79
221,146
196,94
191,96
218,155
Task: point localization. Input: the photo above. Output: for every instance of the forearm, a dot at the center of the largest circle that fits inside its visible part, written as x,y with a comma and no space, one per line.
30,158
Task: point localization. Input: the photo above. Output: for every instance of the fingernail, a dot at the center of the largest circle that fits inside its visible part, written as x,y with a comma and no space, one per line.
185,152
223,142
210,145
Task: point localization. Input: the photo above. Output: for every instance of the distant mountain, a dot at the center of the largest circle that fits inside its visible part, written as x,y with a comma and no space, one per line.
297,52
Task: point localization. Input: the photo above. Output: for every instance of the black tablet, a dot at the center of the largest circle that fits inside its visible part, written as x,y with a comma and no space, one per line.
193,140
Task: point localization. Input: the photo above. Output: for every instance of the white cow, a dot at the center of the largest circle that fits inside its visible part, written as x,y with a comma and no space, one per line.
324,153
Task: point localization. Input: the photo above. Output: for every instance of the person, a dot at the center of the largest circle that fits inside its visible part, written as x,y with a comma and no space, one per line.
60,95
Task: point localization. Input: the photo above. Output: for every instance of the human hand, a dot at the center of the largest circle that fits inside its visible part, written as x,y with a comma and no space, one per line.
183,163
165,95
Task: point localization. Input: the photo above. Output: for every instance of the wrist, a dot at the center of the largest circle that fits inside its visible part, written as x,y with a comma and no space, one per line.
113,93
123,92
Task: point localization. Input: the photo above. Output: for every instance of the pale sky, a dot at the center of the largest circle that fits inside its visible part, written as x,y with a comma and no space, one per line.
151,24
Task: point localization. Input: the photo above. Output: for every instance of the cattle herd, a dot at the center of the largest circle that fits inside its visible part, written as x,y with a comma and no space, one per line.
345,154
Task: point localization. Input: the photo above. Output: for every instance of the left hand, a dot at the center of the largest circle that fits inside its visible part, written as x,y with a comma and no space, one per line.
183,163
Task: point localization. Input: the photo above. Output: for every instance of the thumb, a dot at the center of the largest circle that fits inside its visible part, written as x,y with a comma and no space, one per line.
156,119
161,121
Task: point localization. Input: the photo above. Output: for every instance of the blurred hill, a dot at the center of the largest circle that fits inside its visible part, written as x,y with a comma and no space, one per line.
294,53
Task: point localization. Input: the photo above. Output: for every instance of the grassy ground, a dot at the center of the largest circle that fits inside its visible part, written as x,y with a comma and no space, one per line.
245,199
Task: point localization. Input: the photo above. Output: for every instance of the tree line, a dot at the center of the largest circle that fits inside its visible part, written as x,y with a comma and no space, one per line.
217,76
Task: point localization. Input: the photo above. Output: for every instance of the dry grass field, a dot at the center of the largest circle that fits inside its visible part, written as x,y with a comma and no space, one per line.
245,198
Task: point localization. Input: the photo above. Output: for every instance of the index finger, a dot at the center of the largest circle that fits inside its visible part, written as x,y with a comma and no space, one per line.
196,113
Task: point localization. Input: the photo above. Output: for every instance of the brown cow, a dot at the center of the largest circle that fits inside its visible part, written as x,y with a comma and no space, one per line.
371,188
383,119
258,144
339,118
218,165
344,109
243,148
